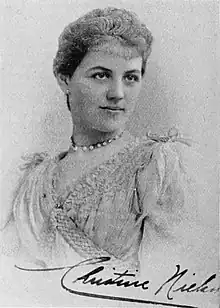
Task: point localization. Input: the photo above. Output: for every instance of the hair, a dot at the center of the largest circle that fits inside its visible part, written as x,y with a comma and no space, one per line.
96,27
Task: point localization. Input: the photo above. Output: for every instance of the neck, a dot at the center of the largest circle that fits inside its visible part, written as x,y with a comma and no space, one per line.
83,137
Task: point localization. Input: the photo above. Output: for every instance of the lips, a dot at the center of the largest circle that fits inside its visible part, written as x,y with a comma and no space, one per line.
112,108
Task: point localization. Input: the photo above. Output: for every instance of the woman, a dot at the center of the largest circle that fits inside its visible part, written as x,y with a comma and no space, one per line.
110,190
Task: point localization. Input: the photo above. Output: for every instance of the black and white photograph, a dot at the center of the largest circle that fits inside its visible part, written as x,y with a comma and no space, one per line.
109,155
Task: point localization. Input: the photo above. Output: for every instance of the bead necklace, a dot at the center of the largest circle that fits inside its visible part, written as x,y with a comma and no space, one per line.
95,145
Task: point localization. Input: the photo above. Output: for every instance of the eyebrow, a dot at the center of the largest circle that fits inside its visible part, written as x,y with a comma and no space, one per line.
108,70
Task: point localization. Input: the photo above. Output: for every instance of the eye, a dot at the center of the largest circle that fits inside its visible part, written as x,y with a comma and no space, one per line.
132,78
101,75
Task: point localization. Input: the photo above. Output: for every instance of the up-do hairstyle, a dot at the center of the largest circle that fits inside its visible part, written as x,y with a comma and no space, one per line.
93,29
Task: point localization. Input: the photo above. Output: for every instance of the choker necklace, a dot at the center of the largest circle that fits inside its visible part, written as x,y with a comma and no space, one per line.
94,146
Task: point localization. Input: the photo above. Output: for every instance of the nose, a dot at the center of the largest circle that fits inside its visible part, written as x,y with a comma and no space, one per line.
115,91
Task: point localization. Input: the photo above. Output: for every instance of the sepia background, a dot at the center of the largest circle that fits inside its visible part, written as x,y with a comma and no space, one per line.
179,89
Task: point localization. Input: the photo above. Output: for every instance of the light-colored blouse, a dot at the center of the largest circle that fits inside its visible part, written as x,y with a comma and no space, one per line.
107,211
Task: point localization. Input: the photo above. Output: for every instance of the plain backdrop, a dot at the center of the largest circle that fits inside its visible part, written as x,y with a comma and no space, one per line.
180,88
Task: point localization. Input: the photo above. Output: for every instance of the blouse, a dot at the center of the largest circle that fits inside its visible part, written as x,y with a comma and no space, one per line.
107,211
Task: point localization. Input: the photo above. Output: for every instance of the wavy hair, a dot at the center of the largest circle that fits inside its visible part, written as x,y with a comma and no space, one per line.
93,29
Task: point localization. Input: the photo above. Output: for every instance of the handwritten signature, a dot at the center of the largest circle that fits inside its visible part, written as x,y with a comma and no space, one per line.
124,279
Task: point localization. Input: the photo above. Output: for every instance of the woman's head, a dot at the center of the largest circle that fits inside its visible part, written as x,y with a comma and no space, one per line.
99,64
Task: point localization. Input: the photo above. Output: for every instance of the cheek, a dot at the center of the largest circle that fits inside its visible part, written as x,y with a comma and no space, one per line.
88,102
90,95
132,94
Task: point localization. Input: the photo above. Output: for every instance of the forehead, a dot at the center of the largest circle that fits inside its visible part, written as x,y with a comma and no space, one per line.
114,56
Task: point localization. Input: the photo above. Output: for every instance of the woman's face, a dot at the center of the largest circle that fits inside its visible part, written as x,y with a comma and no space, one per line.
104,88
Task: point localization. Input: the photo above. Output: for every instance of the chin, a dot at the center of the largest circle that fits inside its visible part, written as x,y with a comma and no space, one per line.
112,127
108,122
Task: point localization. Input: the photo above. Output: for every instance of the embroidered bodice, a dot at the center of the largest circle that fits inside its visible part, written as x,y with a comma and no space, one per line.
106,210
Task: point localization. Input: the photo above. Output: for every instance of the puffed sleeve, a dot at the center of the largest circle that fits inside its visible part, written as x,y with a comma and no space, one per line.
32,204
163,185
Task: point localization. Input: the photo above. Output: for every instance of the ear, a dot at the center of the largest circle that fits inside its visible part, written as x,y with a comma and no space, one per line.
63,82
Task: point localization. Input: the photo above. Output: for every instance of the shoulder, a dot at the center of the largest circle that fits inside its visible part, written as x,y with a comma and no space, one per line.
161,160
30,162
165,149
34,196
38,171
34,167
40,163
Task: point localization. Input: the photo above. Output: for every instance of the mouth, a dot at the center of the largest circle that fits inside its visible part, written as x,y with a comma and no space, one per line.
112,108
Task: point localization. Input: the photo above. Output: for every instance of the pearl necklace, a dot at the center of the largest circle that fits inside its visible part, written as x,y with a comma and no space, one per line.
94,146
